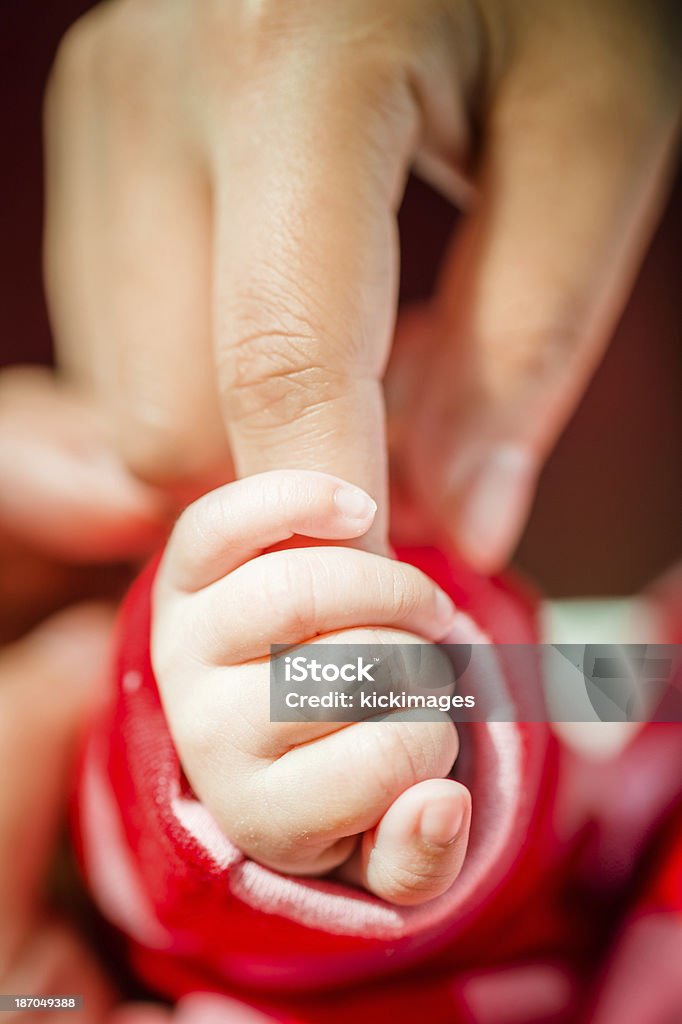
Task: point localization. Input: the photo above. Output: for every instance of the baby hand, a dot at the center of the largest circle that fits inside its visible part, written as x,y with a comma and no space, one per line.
296,795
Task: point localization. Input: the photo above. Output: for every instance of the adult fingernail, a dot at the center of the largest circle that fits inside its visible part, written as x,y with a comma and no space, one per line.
441,821
353,503
493,507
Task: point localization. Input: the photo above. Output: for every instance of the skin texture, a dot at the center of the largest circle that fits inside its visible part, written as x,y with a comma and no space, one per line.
222,253
50,684
55,447
145,305
213,569
46,691
72,520
296,795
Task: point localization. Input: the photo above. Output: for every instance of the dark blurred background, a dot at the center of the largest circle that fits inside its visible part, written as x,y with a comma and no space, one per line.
608,515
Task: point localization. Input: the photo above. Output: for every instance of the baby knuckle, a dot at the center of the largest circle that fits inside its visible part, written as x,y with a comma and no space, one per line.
424,749
448,749
406,591
203,525
397,762
290,585
259,827
255,835
438,744
408,883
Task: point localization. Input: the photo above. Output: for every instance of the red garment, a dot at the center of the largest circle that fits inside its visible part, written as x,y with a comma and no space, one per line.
642,982
201,917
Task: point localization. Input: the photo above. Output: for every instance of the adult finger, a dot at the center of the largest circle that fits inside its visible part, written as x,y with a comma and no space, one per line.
311,591
233,524
46,688
571,185
64,490
307,260
127,247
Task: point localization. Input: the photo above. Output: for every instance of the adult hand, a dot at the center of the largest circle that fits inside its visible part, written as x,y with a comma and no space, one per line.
49,683
62,501
64,505
65,495
223,180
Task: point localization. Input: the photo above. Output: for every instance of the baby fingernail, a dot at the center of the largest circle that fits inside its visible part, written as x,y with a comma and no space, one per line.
441,822
494,506
354,503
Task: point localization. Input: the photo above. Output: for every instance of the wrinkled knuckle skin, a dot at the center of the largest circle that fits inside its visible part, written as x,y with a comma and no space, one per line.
406,592
537,349
203,526
410,884
417,751
278,359
543,353
275,377
397,764
282,578
438,744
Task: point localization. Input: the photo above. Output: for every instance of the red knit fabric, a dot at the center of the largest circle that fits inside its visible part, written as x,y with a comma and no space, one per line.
201,917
